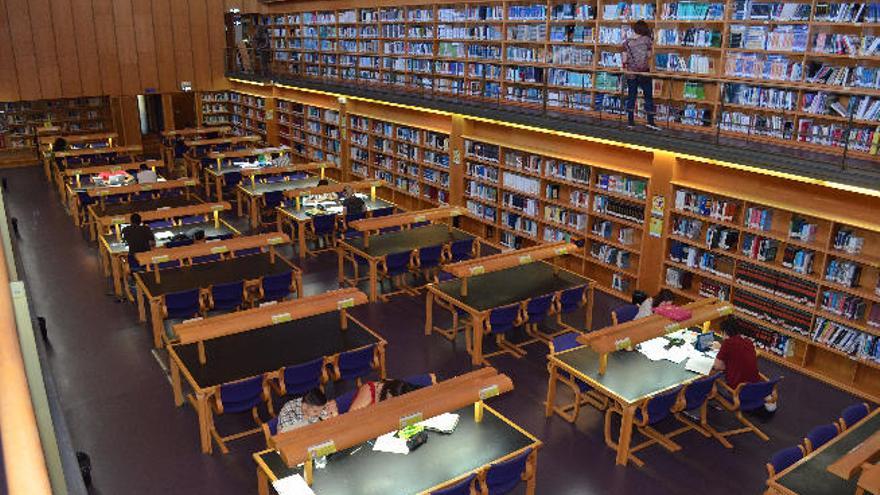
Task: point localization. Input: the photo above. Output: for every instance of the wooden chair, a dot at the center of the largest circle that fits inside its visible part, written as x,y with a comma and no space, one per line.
236,398
583,393
745,397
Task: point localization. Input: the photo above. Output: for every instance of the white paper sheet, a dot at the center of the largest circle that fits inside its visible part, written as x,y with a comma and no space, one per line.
654,349
444,423
700,364
391,444
292,485
677,354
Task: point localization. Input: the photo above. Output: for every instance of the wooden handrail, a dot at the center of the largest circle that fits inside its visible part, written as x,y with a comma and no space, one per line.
336,187
848,465
99,169
264,316
136,188
509,259
80,138
293,167
407,218
165,213
356,427
99,151
163,254
248,152
223,140
196,131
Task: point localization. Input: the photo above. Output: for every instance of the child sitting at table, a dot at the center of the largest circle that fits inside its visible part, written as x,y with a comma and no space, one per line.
302,411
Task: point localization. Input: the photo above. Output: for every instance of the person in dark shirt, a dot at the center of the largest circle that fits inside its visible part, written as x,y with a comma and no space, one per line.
139,238
353,205
636,61
737,357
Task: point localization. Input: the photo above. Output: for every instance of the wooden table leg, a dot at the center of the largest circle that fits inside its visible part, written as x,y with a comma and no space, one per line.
156,322
533,479
301,236
207,186
551,389
139,295
255,212
477,336
429,312
262,482
588,311
176,385
218,185
626,427
340,255
116,273
238,202
204,421
373,280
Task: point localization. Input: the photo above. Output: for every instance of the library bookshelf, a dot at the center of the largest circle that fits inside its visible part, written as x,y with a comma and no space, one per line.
19,122
804,283
802,72
216,108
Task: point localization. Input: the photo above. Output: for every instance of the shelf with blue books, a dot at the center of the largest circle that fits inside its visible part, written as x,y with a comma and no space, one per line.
291,127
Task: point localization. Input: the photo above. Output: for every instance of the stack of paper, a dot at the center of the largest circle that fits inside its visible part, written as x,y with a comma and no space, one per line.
444,423
292,485
391,444
700,364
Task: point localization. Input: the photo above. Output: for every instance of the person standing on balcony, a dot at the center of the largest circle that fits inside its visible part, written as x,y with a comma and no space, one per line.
637,63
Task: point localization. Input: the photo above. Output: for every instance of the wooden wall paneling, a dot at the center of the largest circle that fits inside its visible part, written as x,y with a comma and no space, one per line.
183,53
23,49
168,112
144,36
44,48
126,119
65,47
164,39
86,47
127,47
650,269
198,17
108,55
8,73
344,149
217,43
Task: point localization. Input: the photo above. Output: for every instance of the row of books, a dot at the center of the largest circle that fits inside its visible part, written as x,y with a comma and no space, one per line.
705,205
695,257
847,340
522,203
777,283
519,223
847,12
610,255
759,248
768,310
846,44
618,209
694,63
776,126
766,339
761,66
679,279
622,184
787,38
566,217
844,305
758,218
759,96
798,260
723,238
572,34
692,11
695,37
843,272
628,11
802,229
528,185
568,171
773,11
523,161
687,227
848,241
483,211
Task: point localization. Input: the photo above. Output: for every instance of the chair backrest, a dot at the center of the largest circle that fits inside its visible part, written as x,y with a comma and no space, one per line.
277,287
503,477
207,258
242,396
502,319
324,224
182,304
571,299
178,243
658,407
429,256
383,212
273,179
169,264
84,198
463,487
272,424
351,217
273,198
784,458
221,237
420,224
142,196
751,395
819,436
698,392
179,149
343,402
624,313
423,380
191,219
227,296
397,263
247,251
444,276
462,249
853,414
538,307
160,224
301,378
565,342
231,179
357,363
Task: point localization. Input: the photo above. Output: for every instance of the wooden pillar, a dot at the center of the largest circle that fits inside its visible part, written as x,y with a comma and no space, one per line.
168,112
272,136
651,271
126,120
456,162
344,148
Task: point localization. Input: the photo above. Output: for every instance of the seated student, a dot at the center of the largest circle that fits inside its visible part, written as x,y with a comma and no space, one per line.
644,302
326,196
146,175
302,411
139,238
737,357
372,392
664,298
353,205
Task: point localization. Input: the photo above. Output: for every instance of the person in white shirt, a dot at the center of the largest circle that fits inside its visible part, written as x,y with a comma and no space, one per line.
146,175
302,411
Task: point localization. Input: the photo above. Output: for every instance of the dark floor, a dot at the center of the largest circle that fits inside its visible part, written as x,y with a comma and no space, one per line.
118,403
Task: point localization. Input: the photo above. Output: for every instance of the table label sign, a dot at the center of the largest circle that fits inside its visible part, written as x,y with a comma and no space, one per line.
103,192
115,168
189,183
219,249
410,420
488,392
216,207
322,449
478,270
624,343
420,218
672,327
146,187
160,259
725,310
345,303
281,318
275,240
117,220
455,212
525,260
164,208
561,250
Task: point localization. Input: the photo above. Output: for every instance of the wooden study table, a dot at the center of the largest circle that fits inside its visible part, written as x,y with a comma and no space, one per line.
381,245
194,154
481,437
502,288
258,341
47,143
254,193
71,180
101,218
252,175
102,192
170,137
813,474
114,250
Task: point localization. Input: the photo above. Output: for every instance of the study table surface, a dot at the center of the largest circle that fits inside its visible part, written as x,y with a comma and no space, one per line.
261,188
409,239
115,246
307,212
148,205
203,275
442,458
243,355
509,286
810,476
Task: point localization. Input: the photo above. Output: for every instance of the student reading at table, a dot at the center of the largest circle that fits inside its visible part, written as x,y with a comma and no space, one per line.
302,411
373,392
146,175
738,360
139,238
354,205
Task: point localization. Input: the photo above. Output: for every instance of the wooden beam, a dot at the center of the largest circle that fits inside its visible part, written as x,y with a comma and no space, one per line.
136,188
509,259
407,218
99,169
336,187
197,131
356,427
848,465
99,137
293,167
264,316
249,152
100,151
165,213
161,255
223,140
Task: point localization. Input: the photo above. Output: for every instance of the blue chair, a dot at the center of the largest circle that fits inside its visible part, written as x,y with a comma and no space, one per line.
746,397
394,268
142,196
344,401
500,322
276,287
536,311
226,297
270,200
582,392
270,429
459,316
852,415
323,231
206,258
460,250
350,233
236,398
569,301
165,265
784,458
421,381
177,306
420,224
274,179
247,252
192,219
231,180
819,436
160,224
383,212
300,379
179,150
695,397
178,243
462,487
624,313
356,364
502,477
650,412
427,260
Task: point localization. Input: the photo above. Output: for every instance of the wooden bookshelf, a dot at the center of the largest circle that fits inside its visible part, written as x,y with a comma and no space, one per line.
248,115
789,271
719,67
291,127
216,108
